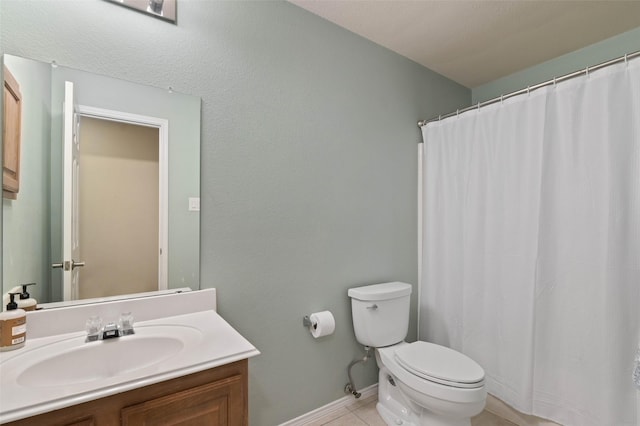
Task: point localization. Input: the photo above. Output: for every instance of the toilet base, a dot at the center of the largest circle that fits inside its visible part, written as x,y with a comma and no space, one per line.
396,409
391,418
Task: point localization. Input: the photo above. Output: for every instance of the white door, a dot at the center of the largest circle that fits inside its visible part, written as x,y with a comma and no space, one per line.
70,237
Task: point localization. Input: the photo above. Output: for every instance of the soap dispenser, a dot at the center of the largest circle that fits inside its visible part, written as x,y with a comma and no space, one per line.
25,301
13,326
5,297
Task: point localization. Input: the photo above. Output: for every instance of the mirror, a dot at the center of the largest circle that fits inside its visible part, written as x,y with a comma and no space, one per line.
138,166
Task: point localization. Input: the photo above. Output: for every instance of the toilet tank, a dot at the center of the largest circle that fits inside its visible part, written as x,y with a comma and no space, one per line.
380,313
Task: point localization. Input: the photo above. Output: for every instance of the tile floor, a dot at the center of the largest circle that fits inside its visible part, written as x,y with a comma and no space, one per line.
364,413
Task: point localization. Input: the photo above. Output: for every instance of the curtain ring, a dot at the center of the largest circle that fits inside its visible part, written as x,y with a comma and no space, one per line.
528,90
554,82
478,106
457,113
587,70
501,99
626,59
440,117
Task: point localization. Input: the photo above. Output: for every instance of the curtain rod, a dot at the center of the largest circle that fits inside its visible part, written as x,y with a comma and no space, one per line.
528,89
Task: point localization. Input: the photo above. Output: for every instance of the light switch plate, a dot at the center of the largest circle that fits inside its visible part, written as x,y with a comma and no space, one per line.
194,204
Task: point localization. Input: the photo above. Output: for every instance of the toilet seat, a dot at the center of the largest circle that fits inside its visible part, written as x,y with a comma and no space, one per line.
439,364
386,358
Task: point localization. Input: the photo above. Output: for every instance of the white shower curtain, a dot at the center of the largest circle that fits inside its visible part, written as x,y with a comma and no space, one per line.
531,245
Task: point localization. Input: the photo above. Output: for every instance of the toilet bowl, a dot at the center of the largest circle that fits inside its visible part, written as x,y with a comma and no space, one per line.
419,383
425,399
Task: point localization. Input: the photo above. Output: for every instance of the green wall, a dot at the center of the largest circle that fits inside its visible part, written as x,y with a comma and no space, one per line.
596,53
308,164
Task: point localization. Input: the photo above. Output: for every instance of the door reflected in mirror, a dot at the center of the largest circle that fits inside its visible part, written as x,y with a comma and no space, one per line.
105,212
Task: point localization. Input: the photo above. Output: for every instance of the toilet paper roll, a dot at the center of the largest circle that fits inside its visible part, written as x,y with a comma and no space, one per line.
322,324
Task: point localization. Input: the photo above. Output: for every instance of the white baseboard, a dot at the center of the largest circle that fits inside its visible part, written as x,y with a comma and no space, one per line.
347,402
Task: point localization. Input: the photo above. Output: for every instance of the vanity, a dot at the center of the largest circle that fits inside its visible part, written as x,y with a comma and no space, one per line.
184,364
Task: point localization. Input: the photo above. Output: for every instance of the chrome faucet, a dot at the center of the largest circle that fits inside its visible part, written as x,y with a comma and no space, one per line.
110,331
95,330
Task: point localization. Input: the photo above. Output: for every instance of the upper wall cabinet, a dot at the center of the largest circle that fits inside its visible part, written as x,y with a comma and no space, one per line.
11,135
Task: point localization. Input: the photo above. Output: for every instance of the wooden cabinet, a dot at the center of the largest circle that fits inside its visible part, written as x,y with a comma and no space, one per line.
209,398
11,136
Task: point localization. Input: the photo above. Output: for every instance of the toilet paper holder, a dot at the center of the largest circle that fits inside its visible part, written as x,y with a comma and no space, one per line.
306,321
320,324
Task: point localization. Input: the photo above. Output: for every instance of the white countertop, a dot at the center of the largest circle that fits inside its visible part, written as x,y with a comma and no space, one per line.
216,341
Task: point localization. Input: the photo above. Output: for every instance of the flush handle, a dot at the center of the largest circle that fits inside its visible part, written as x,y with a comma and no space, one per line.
373,307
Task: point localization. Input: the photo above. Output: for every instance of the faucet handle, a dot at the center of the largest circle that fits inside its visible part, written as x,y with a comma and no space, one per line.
93,327
126,323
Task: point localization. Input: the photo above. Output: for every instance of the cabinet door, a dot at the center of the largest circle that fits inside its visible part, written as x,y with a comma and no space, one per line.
215,404
11,135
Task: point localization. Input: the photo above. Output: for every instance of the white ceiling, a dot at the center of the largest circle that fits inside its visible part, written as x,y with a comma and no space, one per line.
476,41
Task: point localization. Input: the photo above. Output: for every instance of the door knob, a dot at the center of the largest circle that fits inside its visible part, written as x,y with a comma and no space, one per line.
75,264
68,265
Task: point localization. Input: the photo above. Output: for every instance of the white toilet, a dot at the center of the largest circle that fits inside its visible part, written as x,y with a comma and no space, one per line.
420,383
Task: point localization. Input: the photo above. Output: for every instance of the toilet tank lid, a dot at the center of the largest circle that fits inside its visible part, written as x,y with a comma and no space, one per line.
380,291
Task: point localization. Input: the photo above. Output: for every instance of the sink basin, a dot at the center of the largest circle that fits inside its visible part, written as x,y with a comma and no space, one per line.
100,360
72,361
